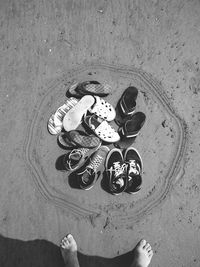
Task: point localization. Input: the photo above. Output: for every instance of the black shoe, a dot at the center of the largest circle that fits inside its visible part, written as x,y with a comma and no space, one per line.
127,101
132,126
89,173
115,170
134,168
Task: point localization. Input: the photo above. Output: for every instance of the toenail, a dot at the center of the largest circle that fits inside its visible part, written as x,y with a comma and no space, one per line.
143,241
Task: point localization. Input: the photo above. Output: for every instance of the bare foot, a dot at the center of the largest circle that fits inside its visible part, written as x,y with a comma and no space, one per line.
142,254
68,248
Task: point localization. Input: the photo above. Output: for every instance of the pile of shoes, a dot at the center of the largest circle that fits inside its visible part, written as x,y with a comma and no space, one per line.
89,155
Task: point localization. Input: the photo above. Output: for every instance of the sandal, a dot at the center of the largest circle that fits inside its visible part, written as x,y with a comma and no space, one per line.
55,124
103,109
81,139
93,88
102,129
74,117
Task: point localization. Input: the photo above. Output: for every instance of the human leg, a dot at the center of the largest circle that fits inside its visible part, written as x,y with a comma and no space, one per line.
143,254
68,248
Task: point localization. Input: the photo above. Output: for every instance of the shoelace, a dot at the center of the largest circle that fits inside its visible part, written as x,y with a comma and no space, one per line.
134,167
94,164
82,151
118,169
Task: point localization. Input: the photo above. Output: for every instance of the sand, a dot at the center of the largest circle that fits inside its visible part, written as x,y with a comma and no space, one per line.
45,47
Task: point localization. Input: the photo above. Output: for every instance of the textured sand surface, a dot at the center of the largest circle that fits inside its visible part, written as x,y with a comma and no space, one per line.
44,47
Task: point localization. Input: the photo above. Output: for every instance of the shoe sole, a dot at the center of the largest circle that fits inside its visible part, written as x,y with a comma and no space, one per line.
84,141
54,124
73,118
94,88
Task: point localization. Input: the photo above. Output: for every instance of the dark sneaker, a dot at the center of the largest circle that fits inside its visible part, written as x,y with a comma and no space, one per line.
76,158
127,101
115,170
132,126
90,172
134,168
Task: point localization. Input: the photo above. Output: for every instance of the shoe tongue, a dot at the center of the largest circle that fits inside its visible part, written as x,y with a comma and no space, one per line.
134,169
75,157
87,175
119,182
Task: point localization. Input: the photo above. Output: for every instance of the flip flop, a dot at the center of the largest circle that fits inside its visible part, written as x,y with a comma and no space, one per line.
93,88
72,91
73,118
55,124
132,126
103,109
102,129
65,142
81,139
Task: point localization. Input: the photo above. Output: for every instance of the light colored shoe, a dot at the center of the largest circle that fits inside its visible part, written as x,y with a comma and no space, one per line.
55,122
103,109
102,129
73,118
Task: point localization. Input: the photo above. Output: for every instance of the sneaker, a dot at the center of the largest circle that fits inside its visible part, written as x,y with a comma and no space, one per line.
89,173
134,166
127,101
115,170
76,158
132,126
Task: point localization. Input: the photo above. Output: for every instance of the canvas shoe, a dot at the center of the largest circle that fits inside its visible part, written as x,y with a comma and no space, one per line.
134,167
128,100
132,126
116,171
89,173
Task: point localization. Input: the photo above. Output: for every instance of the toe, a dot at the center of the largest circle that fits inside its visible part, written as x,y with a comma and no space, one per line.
142,243
151,254
69,237
147,246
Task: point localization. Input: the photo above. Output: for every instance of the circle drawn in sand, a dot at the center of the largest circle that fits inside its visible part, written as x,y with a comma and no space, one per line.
161,143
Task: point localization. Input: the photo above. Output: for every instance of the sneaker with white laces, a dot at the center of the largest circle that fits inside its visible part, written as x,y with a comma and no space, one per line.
90,172
134,167
115,170
76,158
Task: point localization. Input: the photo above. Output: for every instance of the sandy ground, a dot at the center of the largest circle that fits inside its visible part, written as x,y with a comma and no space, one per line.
44,47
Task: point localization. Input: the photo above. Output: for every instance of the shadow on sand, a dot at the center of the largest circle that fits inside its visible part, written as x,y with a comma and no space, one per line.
42,253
